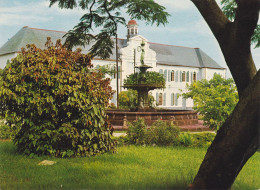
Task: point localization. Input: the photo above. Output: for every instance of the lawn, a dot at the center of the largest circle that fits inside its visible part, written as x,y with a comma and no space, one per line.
131,167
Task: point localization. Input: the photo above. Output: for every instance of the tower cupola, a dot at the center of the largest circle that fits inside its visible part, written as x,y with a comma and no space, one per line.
132,29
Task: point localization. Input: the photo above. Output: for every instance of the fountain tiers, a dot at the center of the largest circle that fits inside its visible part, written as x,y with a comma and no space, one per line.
120,117
178,117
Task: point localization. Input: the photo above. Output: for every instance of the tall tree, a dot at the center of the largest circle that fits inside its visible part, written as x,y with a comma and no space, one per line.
238,138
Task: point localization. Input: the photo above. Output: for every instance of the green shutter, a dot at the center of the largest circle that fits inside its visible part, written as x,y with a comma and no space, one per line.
176,76
176,99
169,76
172,99
165,75
188,76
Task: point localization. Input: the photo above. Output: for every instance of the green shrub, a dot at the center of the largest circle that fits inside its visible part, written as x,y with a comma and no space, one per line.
136,132
203,139
162,133
185,139
57,101
5,130
129,100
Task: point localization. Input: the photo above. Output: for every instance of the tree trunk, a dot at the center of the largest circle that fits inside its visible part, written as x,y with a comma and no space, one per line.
238,138
236,141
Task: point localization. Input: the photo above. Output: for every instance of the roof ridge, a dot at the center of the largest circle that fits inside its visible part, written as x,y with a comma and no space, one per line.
21,39
44,29
112,37
171,45
197,50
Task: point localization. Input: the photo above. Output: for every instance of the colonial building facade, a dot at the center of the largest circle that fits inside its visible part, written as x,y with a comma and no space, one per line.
179,65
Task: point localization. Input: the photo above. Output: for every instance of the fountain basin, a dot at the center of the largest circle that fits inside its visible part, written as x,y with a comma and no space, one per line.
178,117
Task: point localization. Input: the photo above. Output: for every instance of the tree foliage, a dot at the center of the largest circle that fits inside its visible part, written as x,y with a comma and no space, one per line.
149,78
214,99
107,14
129,100
56,101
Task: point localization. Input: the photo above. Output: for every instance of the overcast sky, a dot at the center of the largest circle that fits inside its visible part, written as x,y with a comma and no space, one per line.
186,27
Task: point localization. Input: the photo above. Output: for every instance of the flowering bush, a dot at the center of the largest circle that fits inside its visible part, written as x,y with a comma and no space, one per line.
56,101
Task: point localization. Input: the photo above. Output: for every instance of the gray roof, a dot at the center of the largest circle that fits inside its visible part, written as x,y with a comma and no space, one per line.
165,54
183,56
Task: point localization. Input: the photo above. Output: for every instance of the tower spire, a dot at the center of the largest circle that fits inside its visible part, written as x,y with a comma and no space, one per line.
132,29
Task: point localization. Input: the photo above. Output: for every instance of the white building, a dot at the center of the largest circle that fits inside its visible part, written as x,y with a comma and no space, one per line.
180,65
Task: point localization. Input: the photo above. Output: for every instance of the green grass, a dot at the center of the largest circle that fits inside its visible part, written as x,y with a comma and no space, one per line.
130,168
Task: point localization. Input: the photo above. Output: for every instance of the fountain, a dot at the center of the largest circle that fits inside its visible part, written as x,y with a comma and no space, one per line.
143,82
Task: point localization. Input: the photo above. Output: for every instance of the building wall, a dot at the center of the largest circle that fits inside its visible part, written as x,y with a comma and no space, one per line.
175,86
168,97
210,73
5,58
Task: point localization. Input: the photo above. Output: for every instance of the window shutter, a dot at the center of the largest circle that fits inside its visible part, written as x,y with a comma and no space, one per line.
183,102
191,79
172,99
161,71
157,97
165,75
164,99
180,76
188,76
169,76
176,99
176,76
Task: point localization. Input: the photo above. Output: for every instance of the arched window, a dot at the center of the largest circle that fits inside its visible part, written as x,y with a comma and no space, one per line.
194,76
172,76
132,31
183,76
160,99
136,31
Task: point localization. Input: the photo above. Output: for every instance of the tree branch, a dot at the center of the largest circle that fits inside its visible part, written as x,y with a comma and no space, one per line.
214,17
246,19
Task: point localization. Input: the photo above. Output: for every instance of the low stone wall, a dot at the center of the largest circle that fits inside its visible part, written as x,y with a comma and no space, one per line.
178,117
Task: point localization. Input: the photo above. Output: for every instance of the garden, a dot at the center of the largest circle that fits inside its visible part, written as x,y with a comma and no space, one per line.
156,157
55,132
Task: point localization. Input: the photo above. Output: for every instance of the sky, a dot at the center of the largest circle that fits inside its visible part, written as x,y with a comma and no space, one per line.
186,26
